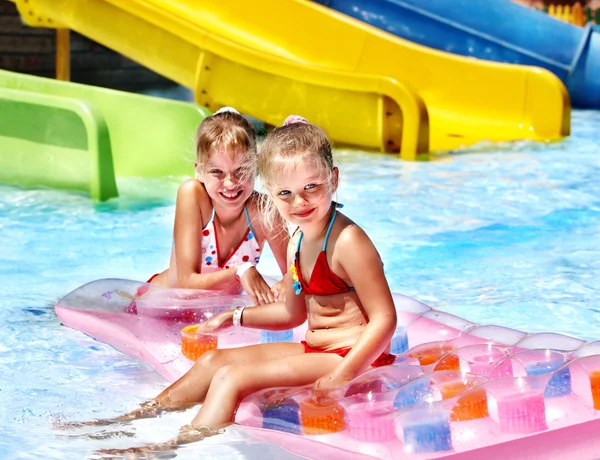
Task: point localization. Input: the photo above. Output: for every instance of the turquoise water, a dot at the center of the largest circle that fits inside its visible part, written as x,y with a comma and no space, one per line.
503,234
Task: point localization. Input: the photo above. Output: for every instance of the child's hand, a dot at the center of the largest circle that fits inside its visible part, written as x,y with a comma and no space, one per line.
329,388
278,290
216,323
256,287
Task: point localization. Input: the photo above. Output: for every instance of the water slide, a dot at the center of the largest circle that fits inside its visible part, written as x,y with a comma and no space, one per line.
495,30
76,137
364,86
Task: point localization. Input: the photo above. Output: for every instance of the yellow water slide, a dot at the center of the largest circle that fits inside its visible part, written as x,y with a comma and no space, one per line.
363,86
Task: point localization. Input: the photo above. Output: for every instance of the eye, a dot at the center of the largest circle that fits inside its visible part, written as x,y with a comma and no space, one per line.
215,171
283,193
310,186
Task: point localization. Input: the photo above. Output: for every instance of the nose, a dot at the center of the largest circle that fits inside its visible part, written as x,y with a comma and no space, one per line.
299,201
229,180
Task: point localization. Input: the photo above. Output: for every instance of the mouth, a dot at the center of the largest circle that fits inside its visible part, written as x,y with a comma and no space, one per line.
231,196
304,214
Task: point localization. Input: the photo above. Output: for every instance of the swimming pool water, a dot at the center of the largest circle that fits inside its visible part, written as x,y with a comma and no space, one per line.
503,234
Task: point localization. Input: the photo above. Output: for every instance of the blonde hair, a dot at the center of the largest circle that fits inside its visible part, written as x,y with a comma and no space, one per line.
226,130
295,145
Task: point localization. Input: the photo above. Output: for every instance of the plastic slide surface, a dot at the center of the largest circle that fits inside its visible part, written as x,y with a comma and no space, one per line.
495,30
78,137
48,141
364,86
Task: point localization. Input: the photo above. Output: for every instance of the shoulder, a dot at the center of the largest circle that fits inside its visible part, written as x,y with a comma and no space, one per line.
192,194
192,188
354,250
351,239
350,233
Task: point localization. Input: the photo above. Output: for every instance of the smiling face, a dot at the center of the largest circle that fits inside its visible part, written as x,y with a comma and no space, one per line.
227,178
303,194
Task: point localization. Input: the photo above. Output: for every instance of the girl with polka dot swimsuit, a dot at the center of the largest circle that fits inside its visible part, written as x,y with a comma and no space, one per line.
219,234
247,251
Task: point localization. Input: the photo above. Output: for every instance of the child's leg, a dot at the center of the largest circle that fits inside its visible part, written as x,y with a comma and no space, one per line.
192,387
232,383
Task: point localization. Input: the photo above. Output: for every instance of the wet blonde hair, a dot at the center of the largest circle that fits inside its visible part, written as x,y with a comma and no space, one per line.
226,130
297,144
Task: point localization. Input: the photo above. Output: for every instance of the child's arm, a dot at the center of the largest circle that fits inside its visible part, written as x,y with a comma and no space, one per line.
187,234
289,314
358,257
277,235
275,317
279,239
281,315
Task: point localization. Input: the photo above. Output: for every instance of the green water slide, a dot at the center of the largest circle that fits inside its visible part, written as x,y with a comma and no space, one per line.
77,137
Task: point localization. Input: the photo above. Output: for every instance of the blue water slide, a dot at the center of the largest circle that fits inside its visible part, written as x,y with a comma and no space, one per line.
496,30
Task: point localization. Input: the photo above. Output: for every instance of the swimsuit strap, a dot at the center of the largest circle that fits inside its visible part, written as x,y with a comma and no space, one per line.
331,221
248,220
329,229
299,241
212,217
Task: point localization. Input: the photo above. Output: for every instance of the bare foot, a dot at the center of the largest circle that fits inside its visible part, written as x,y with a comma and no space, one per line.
149,409
101,435
187,435
138,450
60,425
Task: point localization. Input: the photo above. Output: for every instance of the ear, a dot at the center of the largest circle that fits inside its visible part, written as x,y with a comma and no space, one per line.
335,179
198,174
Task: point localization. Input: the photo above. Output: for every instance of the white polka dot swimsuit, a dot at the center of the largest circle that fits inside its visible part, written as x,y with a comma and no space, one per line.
247,250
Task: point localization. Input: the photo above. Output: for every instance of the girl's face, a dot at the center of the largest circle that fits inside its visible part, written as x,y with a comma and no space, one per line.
226,178
303,195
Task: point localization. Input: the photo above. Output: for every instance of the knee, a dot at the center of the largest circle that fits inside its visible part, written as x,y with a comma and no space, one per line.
227,377
210,360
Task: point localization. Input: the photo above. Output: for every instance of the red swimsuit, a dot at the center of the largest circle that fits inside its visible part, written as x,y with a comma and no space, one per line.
383,360
323,281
